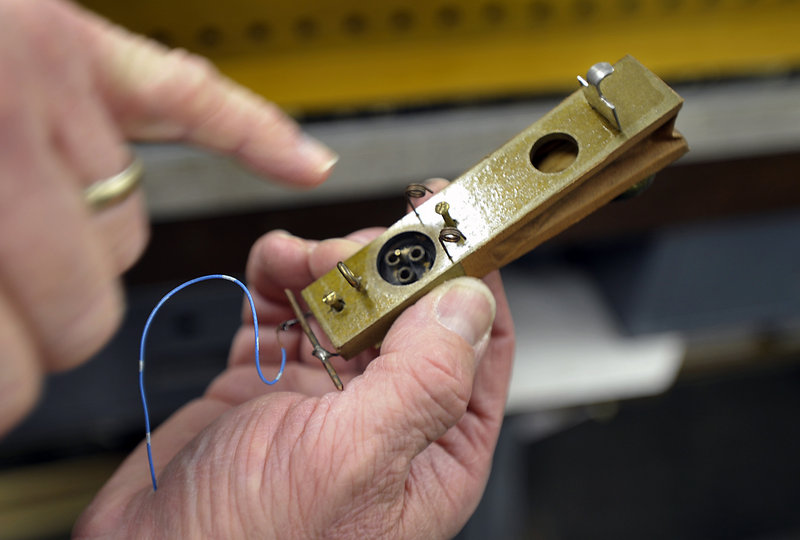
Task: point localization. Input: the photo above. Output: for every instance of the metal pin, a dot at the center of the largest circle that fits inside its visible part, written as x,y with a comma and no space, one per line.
443,209
318,351
350,276
334,301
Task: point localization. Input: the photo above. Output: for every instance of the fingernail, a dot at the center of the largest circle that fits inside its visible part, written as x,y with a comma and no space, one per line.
322,157
467,308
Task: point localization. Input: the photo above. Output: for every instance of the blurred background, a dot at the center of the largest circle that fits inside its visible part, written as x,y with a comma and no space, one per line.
657,377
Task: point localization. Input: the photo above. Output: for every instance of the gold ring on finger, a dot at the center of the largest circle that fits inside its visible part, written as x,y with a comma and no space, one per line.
115,189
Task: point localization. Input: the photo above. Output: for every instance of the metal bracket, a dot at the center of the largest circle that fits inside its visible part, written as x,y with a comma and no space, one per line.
594,95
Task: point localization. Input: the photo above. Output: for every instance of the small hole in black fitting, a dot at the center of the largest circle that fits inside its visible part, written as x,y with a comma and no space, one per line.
404,274
392,258
416,253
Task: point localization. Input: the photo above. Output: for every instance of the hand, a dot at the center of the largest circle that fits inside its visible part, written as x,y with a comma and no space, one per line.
404,451
74,88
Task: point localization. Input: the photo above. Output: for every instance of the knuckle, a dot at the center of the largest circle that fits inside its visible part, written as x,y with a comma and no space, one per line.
180,81
275,120
198,68
272,114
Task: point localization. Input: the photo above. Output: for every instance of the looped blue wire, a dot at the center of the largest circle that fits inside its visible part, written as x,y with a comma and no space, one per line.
144,339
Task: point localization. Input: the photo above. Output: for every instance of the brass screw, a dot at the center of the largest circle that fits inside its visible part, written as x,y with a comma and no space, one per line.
443,209
334,301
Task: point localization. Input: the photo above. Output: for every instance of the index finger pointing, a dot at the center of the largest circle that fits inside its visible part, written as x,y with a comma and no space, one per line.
157,93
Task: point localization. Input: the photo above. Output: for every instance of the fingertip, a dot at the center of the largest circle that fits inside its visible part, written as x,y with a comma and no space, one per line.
278,260
263,137
317,158
278,149
466,307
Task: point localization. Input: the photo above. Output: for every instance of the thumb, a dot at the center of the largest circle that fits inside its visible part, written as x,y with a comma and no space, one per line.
421,384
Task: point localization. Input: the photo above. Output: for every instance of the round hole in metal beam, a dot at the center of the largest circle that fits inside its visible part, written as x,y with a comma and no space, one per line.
554,152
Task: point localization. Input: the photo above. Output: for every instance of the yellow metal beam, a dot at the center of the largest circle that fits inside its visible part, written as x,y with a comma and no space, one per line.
323,56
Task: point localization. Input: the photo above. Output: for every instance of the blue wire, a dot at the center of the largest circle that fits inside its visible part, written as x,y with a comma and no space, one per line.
144,338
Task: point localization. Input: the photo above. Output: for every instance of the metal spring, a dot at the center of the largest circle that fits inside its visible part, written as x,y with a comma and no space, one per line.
416,191
451,234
